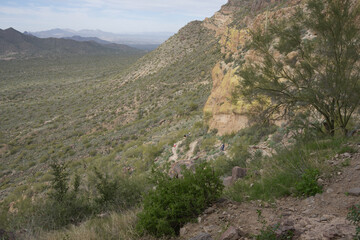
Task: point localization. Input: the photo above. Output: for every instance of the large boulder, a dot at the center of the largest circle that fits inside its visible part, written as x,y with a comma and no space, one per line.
237,173
231,234
202,236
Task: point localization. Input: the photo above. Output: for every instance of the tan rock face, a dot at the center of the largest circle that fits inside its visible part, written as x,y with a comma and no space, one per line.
222,113
232,24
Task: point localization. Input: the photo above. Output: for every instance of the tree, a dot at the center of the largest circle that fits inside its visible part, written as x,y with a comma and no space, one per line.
308,61
59,183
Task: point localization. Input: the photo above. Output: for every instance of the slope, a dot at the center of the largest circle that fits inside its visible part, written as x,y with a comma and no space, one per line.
87,111
14,44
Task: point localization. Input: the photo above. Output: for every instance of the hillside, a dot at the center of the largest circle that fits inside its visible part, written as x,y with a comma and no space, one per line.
78,106
14,44
87,39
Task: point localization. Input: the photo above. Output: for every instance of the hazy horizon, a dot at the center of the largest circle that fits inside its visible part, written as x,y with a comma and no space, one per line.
121,17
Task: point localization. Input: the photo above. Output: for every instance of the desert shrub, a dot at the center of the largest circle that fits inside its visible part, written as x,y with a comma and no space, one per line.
307,185
208,143
268,232
176,201
63,206
59,182
293,170
193,107
115,193
222,164
354,217
348,149
51,214
255,133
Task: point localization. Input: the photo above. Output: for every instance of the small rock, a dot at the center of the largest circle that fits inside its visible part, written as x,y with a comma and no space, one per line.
354,192
183,231
332,233
227,181
320,181
199,219
292,209
323,219
310,200
231,234
286,214
103,215
339,173
209,229
284,229
357,167
303,223
308,211
346,155
209,210
329,190
202,236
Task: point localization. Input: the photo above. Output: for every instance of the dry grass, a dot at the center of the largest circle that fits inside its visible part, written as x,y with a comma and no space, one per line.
115,226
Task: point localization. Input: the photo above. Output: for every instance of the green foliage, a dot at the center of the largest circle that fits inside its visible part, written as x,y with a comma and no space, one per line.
321,74
116,193
354,217
106,188
176,201
50,214
59,183
44,118
208,143
289,169
347,149
268,232
307,185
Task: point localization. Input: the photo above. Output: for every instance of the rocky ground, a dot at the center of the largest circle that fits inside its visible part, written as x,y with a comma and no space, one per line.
322,216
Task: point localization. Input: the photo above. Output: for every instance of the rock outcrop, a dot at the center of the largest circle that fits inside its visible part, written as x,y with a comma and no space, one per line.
232,25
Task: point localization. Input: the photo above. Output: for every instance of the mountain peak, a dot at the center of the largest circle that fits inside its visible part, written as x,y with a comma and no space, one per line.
10,29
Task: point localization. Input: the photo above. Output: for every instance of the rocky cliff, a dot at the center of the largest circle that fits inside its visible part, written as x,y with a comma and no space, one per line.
232,25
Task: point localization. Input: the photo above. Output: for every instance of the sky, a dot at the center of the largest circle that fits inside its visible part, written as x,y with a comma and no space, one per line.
117,16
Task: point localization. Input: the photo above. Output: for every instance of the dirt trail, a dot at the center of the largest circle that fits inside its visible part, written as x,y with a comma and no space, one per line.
174,149
320,217
190,153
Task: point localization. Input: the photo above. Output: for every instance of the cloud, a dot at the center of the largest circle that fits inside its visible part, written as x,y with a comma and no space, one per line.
107,15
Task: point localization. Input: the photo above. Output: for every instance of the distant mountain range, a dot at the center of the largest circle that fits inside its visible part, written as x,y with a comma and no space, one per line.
147,41
146,47
14,44
88,39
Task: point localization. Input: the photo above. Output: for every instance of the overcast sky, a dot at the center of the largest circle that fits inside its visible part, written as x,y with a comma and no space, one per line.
118,16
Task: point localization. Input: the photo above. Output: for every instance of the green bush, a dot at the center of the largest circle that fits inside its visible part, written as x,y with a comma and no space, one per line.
116,193
177,201
307,185
51,214
292,170
354,217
